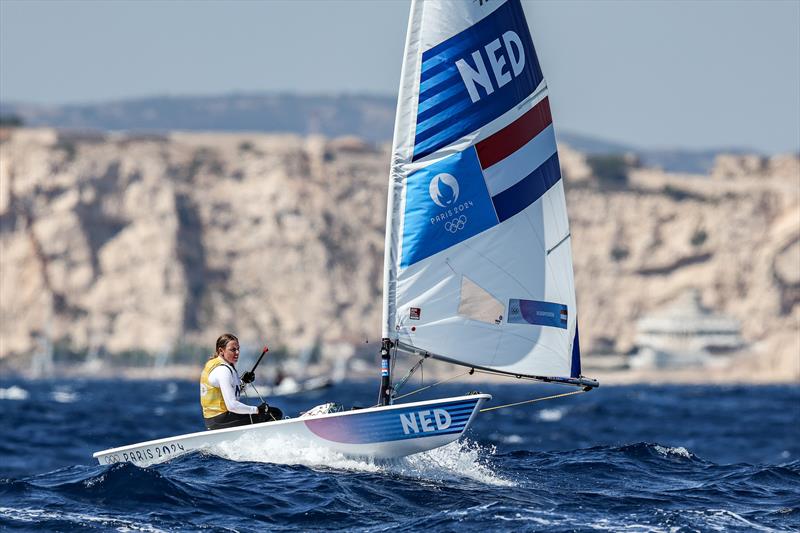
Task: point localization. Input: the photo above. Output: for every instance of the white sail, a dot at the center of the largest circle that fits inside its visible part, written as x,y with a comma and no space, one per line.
478,259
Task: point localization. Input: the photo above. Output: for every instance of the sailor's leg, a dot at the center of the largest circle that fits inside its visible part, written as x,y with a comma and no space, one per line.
273,413
229,420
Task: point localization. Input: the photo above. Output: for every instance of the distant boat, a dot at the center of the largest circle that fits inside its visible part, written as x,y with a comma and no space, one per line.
478,261
685,334
289,386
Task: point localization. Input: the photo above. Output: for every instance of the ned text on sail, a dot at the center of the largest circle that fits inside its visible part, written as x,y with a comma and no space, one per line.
502,72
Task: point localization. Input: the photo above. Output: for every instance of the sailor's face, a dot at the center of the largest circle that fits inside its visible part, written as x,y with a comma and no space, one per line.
231,352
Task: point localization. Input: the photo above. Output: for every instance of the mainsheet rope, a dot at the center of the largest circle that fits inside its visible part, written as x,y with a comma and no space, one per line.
535,400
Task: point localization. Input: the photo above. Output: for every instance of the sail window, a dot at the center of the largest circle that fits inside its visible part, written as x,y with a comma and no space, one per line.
476,303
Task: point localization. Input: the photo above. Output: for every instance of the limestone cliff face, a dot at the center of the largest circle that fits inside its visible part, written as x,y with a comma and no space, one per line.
126,243
130,244
735,239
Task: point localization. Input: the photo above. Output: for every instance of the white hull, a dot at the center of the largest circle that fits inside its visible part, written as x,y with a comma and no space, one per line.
377,432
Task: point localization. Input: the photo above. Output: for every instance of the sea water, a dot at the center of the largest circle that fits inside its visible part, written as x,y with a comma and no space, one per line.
634,458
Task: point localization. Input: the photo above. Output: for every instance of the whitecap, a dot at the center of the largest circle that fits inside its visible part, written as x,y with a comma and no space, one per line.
724,520
64,396
13,393
170,393
604,524
551,415
519,517
511,439
679,451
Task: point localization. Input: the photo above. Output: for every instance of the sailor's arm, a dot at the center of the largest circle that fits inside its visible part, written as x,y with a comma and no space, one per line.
225,378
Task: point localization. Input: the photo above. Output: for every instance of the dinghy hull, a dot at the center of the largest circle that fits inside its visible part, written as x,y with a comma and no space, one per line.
374,433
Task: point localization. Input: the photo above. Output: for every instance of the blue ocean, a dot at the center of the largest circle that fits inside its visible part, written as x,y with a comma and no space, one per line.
633,458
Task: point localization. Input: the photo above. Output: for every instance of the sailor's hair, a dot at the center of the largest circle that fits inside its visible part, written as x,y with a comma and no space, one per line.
222,342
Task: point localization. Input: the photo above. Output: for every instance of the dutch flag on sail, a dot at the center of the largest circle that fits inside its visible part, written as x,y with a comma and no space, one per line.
520,162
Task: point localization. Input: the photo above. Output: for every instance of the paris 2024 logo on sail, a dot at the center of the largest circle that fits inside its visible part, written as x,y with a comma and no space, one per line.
446,202
444,193
444,190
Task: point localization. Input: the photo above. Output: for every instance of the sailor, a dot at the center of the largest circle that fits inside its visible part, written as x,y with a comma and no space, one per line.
220,387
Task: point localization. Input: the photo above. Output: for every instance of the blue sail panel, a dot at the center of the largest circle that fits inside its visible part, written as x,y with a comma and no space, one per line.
486,69
446,203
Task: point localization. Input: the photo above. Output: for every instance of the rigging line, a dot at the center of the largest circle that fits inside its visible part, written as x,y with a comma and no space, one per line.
413,369
257,393
534,400
244,390
433,385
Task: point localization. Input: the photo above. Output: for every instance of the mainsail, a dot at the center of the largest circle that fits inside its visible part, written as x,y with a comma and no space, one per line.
478,265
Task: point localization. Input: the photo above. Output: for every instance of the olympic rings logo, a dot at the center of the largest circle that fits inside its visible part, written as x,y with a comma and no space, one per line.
457,224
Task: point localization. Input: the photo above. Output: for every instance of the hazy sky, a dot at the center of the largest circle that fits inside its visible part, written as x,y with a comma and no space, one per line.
655,74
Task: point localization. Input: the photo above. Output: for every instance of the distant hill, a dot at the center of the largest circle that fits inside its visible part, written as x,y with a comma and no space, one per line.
367,116
370,117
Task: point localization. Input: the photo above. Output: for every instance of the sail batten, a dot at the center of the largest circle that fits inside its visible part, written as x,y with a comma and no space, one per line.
478,261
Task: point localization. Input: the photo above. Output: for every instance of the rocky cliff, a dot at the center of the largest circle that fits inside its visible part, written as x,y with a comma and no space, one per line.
124,243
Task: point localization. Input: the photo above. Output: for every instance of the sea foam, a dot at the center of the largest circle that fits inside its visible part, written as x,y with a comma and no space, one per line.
456,461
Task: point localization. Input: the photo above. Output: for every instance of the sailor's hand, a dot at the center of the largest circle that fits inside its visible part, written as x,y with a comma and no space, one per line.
262,409
248,377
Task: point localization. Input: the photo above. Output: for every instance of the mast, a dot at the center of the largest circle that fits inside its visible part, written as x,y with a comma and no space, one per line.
385,394
402,150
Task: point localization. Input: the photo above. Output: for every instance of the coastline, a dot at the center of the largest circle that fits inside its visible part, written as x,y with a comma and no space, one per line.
730,375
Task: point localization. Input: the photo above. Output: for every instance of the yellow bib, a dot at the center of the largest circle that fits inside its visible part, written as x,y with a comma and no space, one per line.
210,396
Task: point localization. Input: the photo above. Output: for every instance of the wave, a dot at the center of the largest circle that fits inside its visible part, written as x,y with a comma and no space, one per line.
653,450
557,490
120,483
57,520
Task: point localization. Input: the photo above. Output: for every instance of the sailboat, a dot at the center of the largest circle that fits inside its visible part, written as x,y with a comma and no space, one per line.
478,261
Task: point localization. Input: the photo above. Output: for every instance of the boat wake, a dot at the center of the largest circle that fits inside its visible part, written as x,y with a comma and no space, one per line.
457,461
